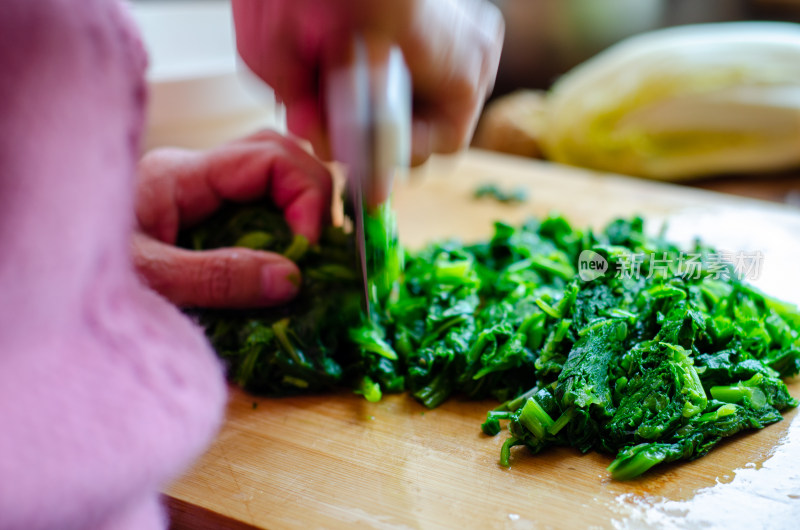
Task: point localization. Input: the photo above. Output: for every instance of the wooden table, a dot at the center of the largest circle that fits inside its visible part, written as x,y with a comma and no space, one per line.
341,462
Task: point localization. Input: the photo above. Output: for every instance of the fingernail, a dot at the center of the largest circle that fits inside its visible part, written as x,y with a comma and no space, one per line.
280,282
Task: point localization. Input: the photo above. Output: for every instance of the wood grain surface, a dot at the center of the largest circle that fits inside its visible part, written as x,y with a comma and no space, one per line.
337,461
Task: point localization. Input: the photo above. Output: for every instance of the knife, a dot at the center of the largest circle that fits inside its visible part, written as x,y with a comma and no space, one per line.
369,122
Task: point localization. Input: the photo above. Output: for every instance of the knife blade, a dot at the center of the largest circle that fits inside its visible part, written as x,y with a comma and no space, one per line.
369,120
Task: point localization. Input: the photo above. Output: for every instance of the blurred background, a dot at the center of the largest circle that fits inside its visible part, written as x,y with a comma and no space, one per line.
545,38
201,95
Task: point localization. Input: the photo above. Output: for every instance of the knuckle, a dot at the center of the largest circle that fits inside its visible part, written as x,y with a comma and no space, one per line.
215,279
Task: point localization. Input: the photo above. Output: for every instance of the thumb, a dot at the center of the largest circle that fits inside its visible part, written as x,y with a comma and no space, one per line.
221,278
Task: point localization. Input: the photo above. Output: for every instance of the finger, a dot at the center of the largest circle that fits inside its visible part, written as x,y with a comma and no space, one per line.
445,127
434,134
421,141
302,204
296,182
451,87
222,278
286,57
156,211
450,123
304,118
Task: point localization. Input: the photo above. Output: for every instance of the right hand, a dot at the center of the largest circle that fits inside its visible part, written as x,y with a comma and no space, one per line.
452,48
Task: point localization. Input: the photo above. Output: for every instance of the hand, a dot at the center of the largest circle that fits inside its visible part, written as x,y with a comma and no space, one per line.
178,187
452,48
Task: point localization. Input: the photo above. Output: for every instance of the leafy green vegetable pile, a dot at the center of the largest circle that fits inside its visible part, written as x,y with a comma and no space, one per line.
653,367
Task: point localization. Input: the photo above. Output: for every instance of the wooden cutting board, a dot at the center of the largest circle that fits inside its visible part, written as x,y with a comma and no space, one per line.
341,462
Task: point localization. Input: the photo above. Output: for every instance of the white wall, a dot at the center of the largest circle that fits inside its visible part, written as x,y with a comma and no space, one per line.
200,94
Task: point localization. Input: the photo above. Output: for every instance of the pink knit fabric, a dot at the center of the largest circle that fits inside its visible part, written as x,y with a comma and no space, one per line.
106,391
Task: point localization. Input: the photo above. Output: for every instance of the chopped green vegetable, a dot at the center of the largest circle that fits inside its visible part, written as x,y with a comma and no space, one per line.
499,194
651,367
297,348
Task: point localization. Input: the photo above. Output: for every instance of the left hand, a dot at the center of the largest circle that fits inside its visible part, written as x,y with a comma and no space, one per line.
178,187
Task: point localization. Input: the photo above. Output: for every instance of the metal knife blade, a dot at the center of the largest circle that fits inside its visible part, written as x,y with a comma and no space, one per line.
369,121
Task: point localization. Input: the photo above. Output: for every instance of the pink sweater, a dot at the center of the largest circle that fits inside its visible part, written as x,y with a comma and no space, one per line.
106,391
